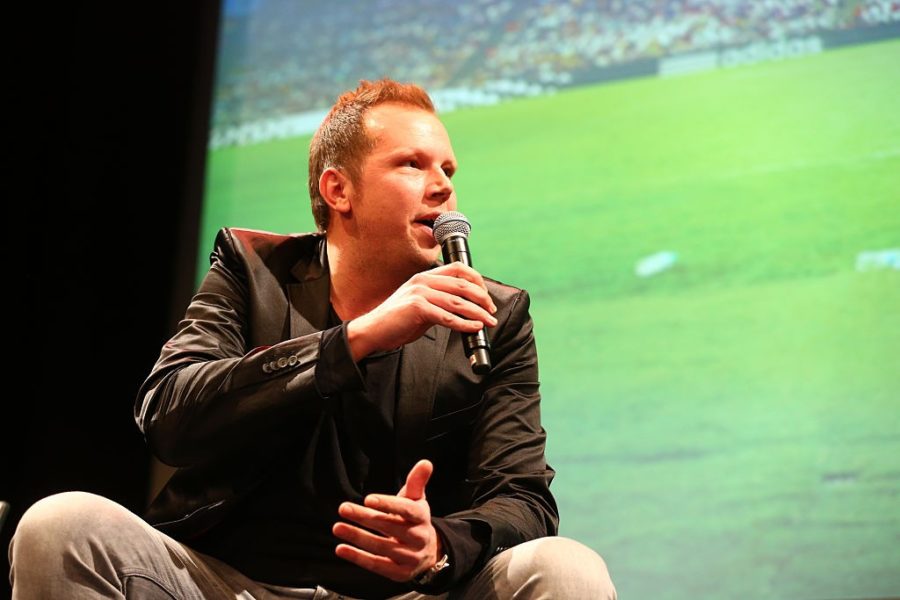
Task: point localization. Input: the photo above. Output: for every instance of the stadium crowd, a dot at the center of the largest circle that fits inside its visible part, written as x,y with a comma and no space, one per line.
561,36
303,53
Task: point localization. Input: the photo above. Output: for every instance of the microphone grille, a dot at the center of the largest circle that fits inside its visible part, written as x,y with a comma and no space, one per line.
451,223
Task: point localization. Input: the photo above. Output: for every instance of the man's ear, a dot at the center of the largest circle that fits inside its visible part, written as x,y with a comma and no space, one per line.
336,189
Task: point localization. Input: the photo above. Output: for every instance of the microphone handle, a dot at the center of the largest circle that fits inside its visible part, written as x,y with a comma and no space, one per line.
478,348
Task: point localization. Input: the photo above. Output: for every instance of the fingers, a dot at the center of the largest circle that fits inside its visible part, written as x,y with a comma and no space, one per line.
381,565
456,278
405,545
393,516
459,270
458,290
408,541
455,312
417,480
378,545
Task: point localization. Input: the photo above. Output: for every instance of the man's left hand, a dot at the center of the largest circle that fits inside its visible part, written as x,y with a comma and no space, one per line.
398,541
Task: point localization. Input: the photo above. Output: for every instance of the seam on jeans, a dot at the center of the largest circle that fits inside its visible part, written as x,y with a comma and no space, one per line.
149,575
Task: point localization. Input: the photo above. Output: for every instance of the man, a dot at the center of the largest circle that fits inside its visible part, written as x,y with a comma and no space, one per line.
330,436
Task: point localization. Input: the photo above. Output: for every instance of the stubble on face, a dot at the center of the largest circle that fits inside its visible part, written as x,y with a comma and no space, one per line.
391,194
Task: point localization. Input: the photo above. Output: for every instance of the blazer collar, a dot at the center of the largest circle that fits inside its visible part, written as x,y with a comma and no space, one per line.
310,297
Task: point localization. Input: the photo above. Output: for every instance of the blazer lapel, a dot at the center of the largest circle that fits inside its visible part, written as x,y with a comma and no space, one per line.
309,306
420,363
310,297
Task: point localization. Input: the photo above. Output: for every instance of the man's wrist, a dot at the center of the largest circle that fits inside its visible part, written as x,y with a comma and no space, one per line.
428,575
441,562
357,339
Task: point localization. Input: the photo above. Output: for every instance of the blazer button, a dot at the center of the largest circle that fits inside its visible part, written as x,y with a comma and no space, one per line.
282,362
292,360
265,368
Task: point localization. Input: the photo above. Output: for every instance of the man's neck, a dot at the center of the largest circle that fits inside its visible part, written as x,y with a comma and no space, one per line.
357,286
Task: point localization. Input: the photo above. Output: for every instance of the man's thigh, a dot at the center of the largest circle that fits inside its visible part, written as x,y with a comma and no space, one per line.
542,569
82,546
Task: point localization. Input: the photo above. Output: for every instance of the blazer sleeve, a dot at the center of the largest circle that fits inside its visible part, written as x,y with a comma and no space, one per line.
508,475
209,394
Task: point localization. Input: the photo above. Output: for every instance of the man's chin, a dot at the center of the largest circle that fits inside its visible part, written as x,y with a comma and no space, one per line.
431,259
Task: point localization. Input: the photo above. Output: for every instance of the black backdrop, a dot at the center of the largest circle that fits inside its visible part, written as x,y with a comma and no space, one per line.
112,104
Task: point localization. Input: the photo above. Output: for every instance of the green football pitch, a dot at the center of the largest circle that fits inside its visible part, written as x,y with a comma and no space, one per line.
729,427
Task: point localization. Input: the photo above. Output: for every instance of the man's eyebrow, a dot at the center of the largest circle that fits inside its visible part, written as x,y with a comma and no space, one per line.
404,150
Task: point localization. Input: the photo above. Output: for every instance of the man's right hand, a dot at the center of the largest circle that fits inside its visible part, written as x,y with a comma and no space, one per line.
452,295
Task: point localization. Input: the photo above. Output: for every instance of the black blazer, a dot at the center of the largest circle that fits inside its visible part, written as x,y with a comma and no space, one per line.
220,402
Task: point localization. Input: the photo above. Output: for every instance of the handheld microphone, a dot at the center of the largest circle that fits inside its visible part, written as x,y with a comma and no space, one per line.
451,231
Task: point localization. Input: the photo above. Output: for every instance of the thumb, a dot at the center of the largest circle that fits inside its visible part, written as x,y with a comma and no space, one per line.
417,480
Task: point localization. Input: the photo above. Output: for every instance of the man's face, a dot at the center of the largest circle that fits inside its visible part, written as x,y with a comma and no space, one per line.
404,184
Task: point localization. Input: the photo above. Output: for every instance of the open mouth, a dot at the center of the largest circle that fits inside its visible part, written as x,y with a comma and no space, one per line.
427,222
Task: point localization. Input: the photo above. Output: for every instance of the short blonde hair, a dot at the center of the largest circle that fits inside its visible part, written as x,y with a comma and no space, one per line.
342,142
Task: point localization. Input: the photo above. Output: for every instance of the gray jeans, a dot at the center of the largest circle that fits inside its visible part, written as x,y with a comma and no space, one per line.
78,546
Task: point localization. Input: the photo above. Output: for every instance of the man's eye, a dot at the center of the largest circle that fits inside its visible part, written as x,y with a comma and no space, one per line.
412,163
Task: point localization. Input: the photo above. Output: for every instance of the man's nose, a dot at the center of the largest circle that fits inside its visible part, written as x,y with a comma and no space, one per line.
440,187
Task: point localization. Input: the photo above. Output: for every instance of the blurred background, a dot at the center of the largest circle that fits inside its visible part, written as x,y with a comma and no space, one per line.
107,150
702,197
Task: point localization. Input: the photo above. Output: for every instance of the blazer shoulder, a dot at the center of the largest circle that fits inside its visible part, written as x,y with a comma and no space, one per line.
504,293
265,250
265,243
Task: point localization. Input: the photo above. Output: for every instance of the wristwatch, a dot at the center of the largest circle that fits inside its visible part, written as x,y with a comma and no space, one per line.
426,576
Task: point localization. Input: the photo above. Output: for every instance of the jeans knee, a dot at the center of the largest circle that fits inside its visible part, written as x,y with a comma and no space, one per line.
81,545
63,521
558,567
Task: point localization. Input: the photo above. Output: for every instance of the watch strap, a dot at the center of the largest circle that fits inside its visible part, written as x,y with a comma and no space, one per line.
426,576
